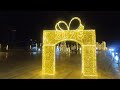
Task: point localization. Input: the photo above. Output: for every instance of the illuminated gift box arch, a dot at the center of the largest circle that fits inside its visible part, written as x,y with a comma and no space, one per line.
101,46
86,38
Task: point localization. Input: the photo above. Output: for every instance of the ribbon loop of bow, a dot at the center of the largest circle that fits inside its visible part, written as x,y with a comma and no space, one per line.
80,27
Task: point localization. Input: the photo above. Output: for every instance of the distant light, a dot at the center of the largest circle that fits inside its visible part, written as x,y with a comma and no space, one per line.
7,47
116,53
33,48
13,30
111,49
57,48
39,49
116,58
80,49
113,54
34,53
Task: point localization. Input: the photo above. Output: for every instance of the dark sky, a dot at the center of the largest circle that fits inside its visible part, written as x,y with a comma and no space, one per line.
30,24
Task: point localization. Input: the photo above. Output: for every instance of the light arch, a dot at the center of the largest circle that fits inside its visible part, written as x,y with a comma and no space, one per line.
87,40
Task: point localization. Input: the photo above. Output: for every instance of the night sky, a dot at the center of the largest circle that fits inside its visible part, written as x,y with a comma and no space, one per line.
30,24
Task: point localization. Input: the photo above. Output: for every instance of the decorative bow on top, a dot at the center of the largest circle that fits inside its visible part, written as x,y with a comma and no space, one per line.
80,27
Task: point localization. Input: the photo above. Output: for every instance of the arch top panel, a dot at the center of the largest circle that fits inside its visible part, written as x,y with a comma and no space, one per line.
85,37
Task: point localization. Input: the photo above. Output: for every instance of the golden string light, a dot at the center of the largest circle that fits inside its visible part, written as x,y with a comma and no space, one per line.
87,39
57,26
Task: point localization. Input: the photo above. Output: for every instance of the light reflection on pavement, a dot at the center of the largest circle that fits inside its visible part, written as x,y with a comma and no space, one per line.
25,65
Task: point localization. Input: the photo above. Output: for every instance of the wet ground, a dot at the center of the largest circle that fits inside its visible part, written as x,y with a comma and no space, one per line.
28,65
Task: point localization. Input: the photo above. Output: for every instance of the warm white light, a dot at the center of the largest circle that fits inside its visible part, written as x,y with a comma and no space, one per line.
80,49
7,47
30,47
